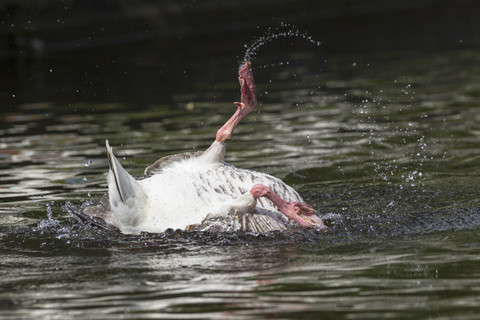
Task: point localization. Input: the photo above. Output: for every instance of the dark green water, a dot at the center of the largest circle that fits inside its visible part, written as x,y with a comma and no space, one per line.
385,146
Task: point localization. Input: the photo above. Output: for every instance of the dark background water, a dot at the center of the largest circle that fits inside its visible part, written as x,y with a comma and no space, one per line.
377,127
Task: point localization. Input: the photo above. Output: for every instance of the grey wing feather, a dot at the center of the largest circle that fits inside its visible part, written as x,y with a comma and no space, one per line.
260,223
250,222
98,214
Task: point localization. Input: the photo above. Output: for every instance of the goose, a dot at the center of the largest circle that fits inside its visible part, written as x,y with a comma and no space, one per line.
199,191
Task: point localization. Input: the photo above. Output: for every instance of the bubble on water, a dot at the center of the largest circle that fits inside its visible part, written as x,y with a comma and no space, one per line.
284,31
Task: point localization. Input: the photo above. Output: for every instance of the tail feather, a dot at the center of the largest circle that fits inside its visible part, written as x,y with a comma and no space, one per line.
126,196
124,182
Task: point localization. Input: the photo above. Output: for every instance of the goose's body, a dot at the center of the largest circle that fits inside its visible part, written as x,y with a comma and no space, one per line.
199,191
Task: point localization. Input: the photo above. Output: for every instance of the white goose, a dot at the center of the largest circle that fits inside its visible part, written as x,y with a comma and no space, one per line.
199,191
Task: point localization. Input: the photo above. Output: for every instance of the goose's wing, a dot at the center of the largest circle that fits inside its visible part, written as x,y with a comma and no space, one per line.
261,223
165,162
255,221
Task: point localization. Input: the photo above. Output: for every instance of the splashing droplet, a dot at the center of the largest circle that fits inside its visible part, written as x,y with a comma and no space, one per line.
49,212
285,31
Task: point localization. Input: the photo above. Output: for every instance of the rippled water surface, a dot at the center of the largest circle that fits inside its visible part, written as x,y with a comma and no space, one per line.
384,146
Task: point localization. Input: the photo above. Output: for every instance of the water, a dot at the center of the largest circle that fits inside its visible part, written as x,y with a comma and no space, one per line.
383,145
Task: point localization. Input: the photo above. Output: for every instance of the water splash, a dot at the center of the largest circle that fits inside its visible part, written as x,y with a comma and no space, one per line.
398,146
284,31
50,220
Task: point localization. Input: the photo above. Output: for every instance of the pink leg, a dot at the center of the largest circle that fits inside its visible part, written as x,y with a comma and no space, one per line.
304,214
249,101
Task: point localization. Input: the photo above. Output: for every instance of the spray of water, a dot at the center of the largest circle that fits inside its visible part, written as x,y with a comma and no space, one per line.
407,162
284,31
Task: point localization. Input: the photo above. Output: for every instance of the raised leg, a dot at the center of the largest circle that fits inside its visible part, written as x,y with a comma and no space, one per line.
247,104
304,214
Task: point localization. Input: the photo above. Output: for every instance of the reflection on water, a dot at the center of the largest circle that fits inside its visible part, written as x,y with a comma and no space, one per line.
385,147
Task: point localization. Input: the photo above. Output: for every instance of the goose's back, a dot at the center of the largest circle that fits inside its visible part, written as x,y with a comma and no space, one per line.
185,192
